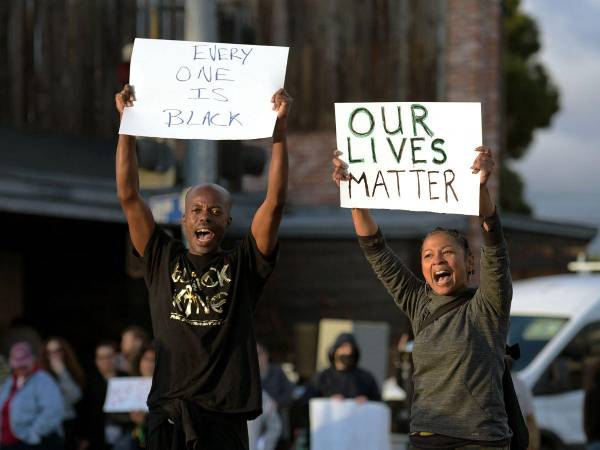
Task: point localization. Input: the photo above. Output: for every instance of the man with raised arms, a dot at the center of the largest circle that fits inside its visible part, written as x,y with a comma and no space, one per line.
202,299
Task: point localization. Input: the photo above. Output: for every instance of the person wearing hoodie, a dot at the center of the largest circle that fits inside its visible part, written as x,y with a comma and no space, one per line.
344,379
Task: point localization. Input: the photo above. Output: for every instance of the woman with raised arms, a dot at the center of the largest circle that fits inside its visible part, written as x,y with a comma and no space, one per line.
459,356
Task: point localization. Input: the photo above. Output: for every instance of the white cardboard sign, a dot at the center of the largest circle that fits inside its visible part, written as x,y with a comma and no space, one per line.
349,425
125,394
413,156
203,90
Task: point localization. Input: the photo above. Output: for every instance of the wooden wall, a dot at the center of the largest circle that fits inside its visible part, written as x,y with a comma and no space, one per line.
59,58
353,50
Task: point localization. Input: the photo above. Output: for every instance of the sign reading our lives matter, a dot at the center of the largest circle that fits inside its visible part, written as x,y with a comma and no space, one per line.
413,156
203,90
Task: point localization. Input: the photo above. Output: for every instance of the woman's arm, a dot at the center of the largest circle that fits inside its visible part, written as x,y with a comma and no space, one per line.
495,280
364,224
69,388
399,281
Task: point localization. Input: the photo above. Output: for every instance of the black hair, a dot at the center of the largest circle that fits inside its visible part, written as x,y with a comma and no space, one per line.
460,238
147,347
107,343
138,332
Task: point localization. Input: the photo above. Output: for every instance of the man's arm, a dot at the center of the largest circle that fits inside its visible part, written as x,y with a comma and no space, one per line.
138,214
265,224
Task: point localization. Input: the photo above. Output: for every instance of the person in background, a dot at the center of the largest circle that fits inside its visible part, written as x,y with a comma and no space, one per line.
265,430
101,430
591,410
279,388
273,378
59,359
144,367
133,339
4,370
344,379
31,404
525,398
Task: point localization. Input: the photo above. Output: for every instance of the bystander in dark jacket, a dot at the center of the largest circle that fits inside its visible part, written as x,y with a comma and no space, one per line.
344,379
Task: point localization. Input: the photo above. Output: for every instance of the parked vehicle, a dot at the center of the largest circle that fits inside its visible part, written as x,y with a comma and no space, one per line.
556,321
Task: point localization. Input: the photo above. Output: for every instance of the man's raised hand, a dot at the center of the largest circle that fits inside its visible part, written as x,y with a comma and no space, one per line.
124,98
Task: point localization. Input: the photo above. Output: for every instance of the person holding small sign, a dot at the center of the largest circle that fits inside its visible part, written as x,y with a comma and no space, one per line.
458,357
206,384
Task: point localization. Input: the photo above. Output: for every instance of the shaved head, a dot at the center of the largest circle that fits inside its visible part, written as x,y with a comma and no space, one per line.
206,217
220,190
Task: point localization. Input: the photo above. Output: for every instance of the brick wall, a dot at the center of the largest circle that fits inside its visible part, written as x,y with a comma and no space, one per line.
462,41
472,72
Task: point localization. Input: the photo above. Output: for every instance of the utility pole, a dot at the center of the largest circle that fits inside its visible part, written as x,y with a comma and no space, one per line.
201,159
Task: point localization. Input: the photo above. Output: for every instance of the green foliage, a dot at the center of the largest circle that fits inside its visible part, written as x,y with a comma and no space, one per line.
531,98
531,101
511,192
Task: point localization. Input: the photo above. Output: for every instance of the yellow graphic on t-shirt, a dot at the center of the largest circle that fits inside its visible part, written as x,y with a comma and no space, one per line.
197,299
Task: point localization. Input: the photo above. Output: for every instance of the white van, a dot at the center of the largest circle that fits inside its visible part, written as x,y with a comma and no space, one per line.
556,321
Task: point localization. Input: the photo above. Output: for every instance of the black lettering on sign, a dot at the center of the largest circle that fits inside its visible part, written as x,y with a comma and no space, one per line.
436,146
448,179
398,128
351,122
415,148
418,172
397,172
350,159
361,179
419,114
397,155
380,181
431,183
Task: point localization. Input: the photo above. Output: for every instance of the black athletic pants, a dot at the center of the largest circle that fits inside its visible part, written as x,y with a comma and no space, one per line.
215,432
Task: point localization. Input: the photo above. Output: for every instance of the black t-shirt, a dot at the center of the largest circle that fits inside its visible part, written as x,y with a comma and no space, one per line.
202,310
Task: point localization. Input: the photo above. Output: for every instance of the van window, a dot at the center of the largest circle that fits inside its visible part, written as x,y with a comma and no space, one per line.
532,333
566,373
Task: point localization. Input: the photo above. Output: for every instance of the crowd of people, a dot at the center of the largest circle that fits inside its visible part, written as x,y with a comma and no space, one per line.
48,401
209,374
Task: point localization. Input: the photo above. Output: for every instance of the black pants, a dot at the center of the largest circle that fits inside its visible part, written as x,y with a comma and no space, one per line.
215,432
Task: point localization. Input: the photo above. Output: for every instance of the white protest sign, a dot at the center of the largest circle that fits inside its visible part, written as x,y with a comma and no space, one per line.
203,90
349,425
125,394
414,156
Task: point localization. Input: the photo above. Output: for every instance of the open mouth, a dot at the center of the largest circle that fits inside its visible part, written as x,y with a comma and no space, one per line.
204,234
442,277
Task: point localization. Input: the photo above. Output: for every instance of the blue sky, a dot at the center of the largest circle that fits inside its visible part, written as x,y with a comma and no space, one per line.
562,166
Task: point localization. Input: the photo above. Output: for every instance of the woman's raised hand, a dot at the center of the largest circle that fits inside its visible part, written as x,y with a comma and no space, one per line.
483,164
340,168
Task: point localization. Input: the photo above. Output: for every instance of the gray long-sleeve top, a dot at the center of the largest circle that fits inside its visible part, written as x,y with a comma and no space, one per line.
459,358
71,392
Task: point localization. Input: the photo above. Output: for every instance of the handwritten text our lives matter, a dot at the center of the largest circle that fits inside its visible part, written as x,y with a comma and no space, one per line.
206,76
413,156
